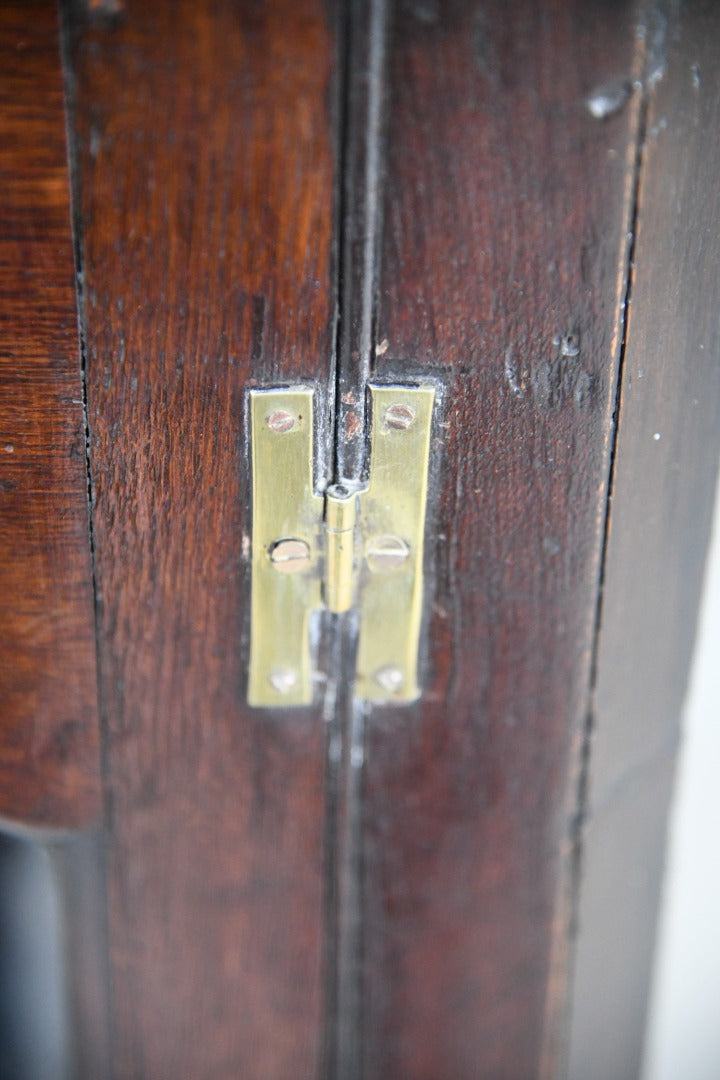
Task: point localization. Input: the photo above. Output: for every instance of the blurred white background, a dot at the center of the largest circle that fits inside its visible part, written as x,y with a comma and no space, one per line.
683,1036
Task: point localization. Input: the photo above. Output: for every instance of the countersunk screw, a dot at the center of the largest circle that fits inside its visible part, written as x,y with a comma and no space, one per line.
390,679
290,555
386,553
399,416
283,680
281,421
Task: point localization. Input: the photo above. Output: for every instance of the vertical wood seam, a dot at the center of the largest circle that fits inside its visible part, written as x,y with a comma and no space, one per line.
580,816
364,35
362,30
76,226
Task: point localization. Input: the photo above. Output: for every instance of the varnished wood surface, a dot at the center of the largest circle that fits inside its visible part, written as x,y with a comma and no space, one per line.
49,738
205,171
661,509
205,150
503,268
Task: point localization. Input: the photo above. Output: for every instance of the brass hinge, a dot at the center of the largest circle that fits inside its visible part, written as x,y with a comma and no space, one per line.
354,546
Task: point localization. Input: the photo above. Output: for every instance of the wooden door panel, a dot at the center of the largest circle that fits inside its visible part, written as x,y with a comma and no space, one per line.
665,472
503,265
205,166
49,735
311,193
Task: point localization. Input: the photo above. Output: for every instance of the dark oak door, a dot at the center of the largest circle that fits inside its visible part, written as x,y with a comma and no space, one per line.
229,196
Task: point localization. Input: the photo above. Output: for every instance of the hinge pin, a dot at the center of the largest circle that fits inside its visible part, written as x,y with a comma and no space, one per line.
340,515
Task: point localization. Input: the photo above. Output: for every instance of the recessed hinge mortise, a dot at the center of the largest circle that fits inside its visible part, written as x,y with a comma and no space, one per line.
353,547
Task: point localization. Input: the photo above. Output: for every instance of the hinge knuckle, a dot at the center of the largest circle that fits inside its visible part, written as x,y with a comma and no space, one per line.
340,518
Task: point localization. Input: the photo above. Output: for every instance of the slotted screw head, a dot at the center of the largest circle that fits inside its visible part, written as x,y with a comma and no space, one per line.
399,416
290,555
283,680
281,421
390,679
386,553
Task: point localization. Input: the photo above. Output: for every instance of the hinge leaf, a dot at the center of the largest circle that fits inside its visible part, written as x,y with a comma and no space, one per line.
287,527
392,515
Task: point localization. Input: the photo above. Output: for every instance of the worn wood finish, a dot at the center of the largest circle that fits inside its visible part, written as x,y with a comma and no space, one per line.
503,270
661,509
49,757
364,30
206,168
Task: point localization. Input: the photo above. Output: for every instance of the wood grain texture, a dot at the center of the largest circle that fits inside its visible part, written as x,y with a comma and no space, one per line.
661,509
49,736
206,173
503,268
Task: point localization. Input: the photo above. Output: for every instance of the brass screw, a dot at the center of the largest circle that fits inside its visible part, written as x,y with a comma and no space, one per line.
290,555
399,416
281,421
390,679
283,680
386,553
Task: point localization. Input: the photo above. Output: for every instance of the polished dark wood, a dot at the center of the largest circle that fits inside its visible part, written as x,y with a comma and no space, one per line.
662,501
428,189
504,265
205,160
49,735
